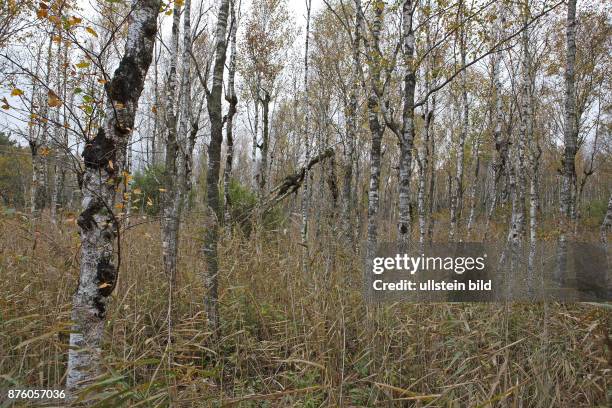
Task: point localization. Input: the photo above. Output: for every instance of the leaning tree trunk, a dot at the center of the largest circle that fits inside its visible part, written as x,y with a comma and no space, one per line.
232,99
104,159
215,213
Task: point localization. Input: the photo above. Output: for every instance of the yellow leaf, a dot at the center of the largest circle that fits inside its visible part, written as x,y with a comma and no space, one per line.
83,64
74,20
119,206
163,190
104,285
45,151
16,92
154,109
179,3
5,104
42,13
53,100
110,164
149,202
102,81
119,105
169,12
91,31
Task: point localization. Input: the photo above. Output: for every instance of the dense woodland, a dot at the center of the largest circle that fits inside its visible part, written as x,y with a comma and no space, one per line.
192,193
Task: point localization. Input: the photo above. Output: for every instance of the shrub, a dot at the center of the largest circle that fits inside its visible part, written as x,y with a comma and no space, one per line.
146,185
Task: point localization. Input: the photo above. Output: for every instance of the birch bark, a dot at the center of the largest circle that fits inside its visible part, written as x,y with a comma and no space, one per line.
305,186
215,213
457,197
568,169
407,132
569,134
501,142
104,158
377,130
232,99
170,219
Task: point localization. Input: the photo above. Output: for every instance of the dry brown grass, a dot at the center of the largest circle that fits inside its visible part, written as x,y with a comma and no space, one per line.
287,339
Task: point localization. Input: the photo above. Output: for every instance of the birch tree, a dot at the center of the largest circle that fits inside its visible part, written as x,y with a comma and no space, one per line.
232,99
377,128
214,206
171,197
305,184
568,167
104,158
457,197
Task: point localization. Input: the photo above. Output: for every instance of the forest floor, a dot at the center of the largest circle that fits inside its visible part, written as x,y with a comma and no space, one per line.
287,338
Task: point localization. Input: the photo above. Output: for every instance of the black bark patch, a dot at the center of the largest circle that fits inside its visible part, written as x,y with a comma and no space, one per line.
99,152
403,229
86,219
125,83
106,275
33,147
100,306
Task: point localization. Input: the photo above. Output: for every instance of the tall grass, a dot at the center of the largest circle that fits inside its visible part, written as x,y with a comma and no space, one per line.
287,340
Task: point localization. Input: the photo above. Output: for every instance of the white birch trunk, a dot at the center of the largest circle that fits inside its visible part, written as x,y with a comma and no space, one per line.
408,130
232,99
457,198
171,196
305,185
501,142
568,169
215,212
472,198
104,159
